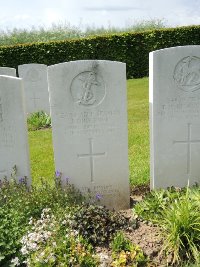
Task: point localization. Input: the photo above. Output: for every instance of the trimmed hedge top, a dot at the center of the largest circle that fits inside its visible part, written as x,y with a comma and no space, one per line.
131,48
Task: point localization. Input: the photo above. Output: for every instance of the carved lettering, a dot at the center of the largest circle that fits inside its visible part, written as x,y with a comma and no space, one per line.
103,190
182,107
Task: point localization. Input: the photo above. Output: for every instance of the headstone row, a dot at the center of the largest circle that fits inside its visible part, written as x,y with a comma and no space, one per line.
35,85
89,123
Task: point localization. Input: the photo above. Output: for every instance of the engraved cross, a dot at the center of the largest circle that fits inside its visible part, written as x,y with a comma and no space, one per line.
91,156
188,142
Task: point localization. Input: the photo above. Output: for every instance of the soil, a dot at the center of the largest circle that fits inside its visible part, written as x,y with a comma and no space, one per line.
147,236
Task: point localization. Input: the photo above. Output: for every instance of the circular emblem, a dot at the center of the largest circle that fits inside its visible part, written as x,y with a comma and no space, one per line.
187,74
88,89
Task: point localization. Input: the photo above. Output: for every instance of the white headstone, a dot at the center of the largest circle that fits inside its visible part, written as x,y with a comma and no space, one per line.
35,86
8,71
175,116
89,121
13,129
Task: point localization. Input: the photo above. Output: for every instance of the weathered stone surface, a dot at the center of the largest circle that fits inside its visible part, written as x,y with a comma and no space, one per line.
35,86
13,129
175,116
8,71
89,121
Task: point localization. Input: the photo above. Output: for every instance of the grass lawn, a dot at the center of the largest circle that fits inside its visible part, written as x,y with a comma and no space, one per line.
41,155
41,151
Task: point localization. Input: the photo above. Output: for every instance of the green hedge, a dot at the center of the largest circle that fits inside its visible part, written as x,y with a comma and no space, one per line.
131,48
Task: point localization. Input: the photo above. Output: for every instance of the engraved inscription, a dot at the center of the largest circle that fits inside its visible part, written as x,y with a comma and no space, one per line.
92,122
188,142
181,107
32,75
101,189
91,155
187,74
88,88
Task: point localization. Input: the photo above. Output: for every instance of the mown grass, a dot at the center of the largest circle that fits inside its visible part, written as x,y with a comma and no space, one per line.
41,150
138,130
41,156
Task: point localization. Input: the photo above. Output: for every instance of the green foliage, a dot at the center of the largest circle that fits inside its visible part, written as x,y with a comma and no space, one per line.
136,26
104,223
63,31
146,25
181,225
13,218
155,203
125,253
119,243
50,243
18,203
177,212
38,120
41,34
131,48
193,263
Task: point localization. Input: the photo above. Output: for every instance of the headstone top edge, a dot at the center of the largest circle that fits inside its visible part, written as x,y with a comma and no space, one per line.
31,64
174,48
85,61
3,67
6,77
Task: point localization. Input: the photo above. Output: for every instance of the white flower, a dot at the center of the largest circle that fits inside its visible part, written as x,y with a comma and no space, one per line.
33,246
15,261
30,221
42,254
24,251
